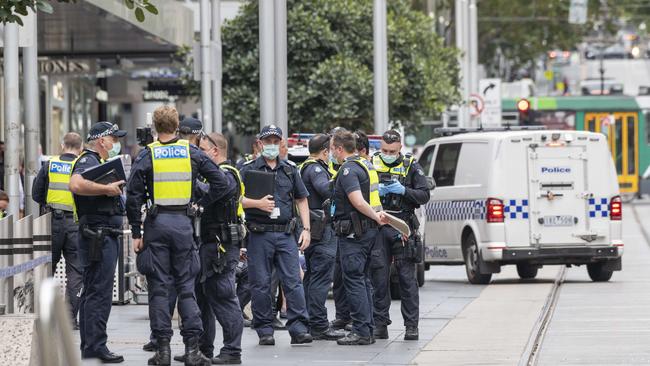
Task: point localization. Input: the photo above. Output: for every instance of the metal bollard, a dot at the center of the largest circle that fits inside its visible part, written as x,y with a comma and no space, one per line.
42,247
6,261
23,248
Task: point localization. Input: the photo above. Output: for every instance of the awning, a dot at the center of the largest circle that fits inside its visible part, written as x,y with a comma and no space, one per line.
108,28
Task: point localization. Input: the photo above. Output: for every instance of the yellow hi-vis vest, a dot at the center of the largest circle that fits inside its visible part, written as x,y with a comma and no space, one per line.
172,173
401,169
240,208
306,163
373,196
59,196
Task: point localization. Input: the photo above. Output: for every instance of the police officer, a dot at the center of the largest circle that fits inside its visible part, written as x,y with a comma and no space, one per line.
164,173
320,255
403,187
221,237
99,209
271,241
357,214
343,320
189,129
51,192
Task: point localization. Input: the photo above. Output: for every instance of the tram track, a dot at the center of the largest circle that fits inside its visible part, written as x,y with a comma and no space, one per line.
531,353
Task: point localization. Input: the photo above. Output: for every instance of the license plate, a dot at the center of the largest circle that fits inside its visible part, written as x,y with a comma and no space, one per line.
558,220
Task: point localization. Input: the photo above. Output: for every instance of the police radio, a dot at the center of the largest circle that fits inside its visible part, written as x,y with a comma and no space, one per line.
144,135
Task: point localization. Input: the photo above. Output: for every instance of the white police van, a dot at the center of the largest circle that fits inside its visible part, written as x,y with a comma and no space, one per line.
527,197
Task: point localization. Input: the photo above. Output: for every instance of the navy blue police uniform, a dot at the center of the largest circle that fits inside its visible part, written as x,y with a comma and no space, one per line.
100,223
390,248
65,233
320,254
270,244
355,249
221,239
168,235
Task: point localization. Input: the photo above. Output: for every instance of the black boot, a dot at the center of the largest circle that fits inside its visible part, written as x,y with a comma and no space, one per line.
353,339
194,357
329,334
149,347
411,334
225,359
181,358
163,353
381,332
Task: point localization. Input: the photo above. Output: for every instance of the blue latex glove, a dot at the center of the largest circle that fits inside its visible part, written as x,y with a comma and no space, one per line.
396,188
382,190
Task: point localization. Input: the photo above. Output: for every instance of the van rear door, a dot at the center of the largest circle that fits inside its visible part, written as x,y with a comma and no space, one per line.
558,212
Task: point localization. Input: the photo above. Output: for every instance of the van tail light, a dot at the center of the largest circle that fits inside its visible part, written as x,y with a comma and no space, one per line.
494,210
616,209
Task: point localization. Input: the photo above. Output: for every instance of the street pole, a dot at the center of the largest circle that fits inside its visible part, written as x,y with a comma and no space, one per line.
473,51
12,115
32,120
267,67
281,98
217,68
461,29
380,76
206,77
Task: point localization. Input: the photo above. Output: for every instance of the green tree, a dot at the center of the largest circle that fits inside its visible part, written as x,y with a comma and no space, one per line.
11,10
330,66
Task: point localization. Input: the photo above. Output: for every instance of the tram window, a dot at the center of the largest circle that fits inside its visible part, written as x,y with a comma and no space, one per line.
556,120
618,133
631,141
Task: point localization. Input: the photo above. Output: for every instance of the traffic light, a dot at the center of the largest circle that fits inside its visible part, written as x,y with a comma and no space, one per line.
523,106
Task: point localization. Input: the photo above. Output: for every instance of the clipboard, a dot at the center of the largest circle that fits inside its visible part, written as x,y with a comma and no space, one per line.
109,172
398,224
258,184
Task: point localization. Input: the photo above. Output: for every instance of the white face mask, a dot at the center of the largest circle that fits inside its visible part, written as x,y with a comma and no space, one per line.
115,150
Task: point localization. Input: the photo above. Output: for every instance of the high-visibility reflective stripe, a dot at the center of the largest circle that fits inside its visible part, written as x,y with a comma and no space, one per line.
59,186
373,195
172,177
172,201
242,189
60,206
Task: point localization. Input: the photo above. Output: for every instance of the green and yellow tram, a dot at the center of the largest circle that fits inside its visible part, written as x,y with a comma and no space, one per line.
623,119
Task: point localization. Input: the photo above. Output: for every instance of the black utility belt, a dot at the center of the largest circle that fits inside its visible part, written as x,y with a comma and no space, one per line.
287,228
354,225
59,214
224,233
185,210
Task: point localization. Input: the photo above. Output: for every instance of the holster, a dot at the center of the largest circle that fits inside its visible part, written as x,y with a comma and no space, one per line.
97,240
342,227
413,249
317,220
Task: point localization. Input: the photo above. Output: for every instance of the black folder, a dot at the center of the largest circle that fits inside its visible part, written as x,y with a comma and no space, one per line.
258,184
109,172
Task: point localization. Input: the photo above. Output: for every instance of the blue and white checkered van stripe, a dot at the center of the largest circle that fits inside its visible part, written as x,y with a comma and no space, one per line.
516,209
598,207
455,210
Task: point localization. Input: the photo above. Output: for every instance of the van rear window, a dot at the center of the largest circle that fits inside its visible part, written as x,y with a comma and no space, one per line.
444,170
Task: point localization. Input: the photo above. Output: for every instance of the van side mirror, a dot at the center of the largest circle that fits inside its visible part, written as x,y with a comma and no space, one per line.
431,183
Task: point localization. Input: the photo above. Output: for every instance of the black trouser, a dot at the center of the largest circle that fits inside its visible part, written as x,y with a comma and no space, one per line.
65,241
319,258
382,256
338,290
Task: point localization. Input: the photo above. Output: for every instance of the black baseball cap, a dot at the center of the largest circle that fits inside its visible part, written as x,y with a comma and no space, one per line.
270,130
190,125
102,129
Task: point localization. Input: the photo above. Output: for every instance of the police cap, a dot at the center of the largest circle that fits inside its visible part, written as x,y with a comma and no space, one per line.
270,130
102,129
190,125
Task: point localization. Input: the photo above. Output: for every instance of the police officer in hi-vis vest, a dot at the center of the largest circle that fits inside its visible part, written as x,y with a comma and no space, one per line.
403,187
164,174
51,192
356,215
100,210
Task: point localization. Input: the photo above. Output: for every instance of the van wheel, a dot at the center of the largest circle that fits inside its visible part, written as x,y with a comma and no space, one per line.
597,273
419,273
472,260
526,271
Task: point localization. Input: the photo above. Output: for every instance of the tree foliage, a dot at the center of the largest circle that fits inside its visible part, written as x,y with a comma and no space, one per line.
330,66
12,10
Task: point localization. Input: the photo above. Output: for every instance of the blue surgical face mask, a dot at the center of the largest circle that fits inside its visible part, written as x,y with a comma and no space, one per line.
115,151
271,151
333,159
389,159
